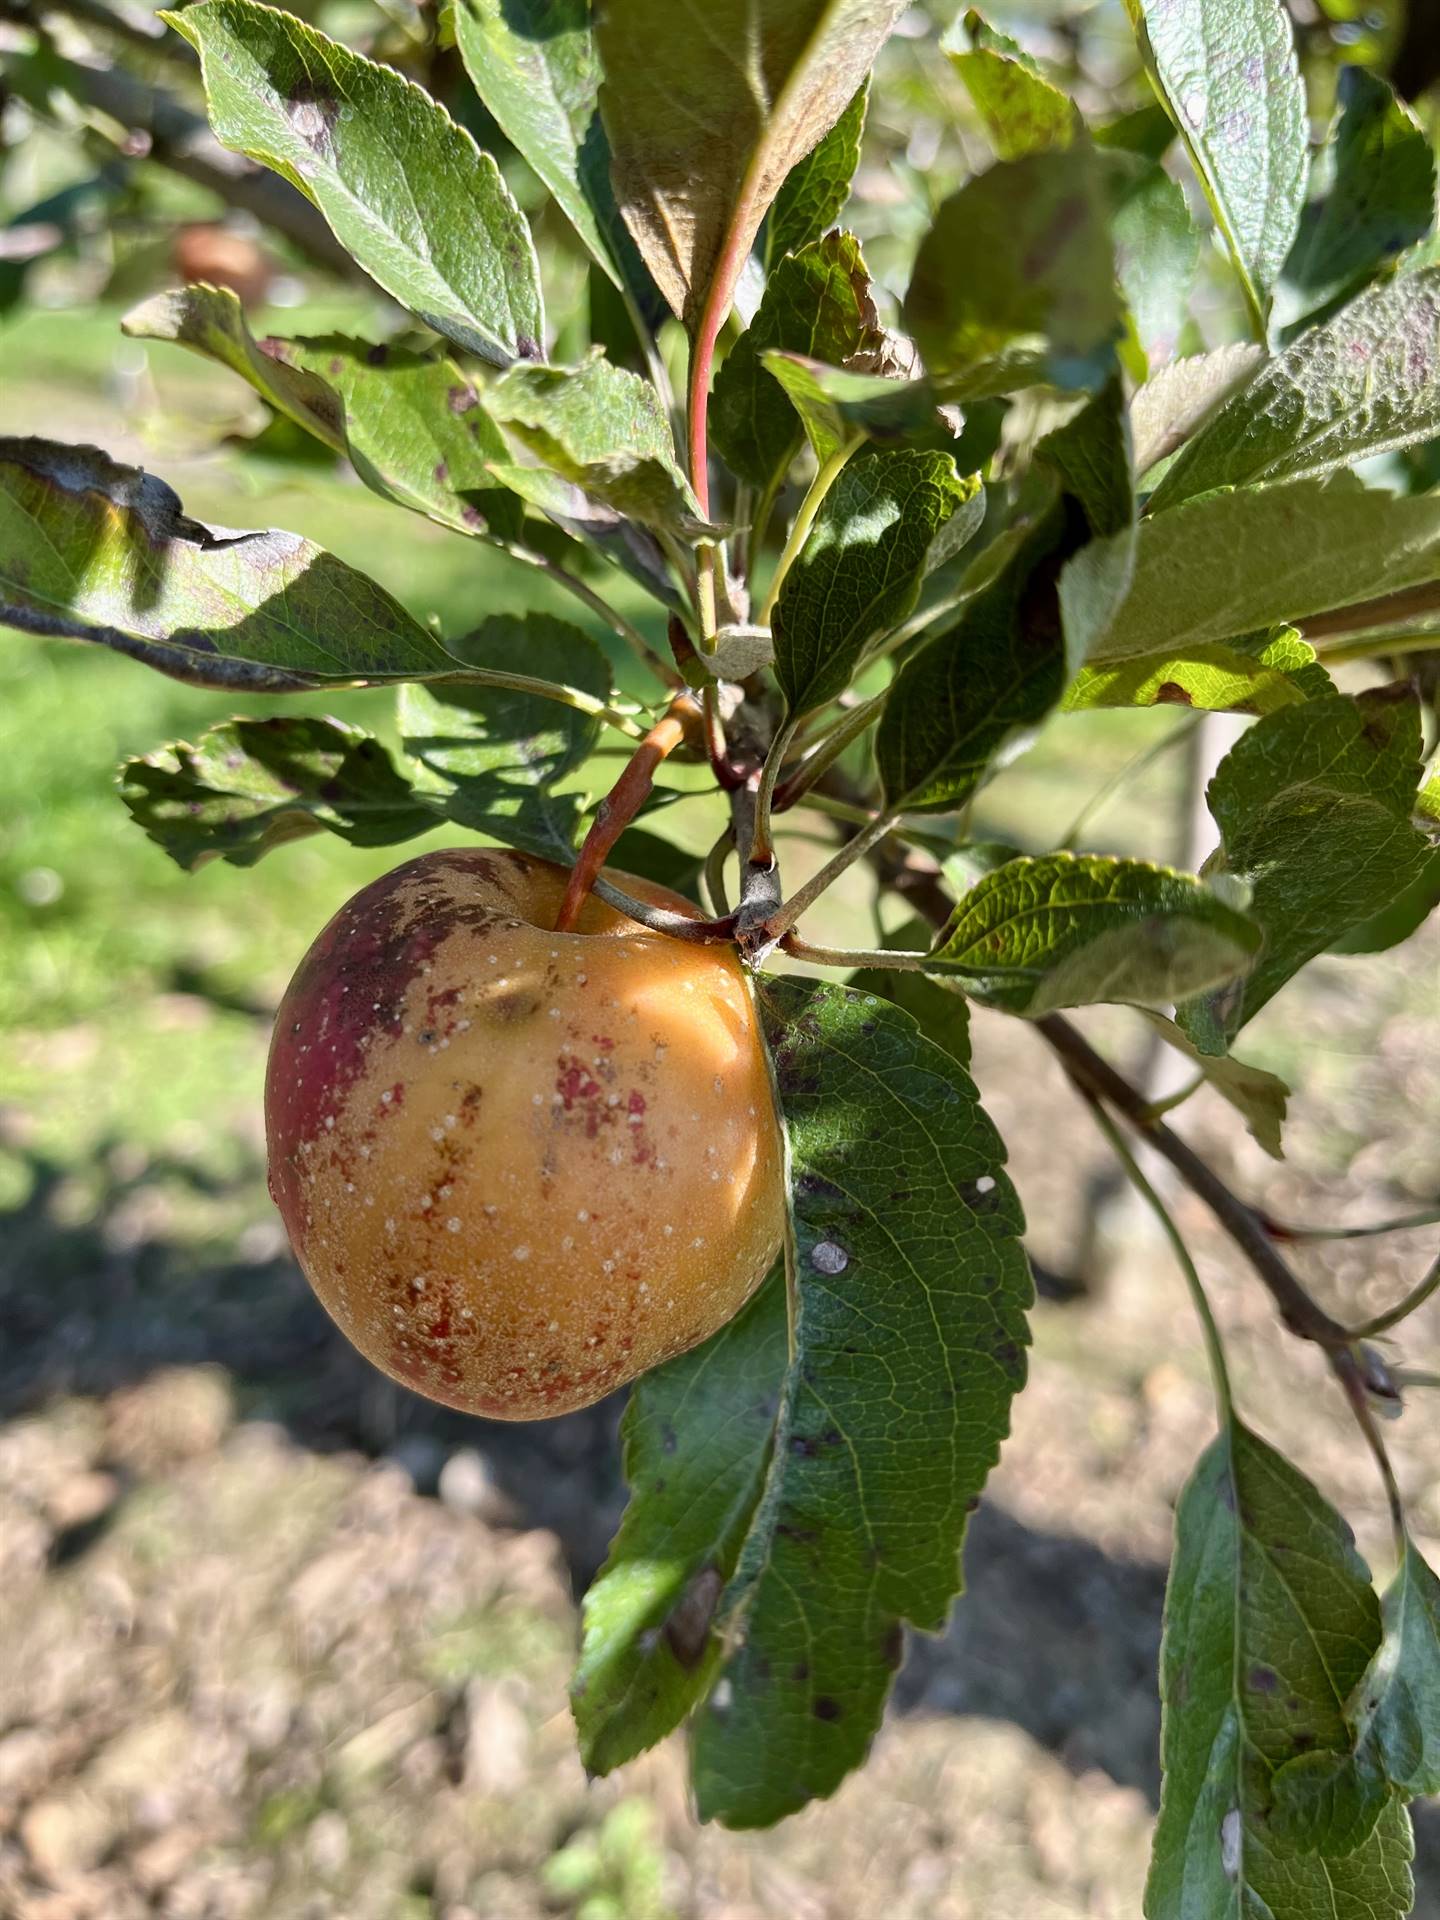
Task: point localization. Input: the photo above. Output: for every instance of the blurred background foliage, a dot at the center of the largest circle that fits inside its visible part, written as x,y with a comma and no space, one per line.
352,1689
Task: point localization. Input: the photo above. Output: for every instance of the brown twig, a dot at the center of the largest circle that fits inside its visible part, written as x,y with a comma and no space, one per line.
1302,1314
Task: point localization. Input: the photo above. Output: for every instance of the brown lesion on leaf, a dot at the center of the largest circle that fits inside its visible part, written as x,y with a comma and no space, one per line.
687,1628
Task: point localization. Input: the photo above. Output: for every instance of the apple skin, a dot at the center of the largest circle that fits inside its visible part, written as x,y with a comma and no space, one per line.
520,1167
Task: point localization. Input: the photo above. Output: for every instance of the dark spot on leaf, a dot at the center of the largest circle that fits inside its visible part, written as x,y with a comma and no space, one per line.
461,399
441,474
824,1708
1169,694
1262,1679
526,348
313,114
668,1440
688,1626
892,1648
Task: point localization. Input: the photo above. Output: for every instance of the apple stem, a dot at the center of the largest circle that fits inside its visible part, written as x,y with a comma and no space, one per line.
622,803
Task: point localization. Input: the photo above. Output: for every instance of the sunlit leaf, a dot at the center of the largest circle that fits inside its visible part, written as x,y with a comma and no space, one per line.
1215,679
414,428
752,85
603,429
1176,402
1228,73
92,550
839,404
406,191
1260,1098
1230,564
1071,930
533,63
1021,110
1366,382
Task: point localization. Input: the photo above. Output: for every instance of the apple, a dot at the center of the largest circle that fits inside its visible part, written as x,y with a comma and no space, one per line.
520,1167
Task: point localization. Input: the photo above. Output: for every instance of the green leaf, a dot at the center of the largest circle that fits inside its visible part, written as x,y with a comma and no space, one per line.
938,1008
1091,454
697,1436
1022,112
1176,402
1046,306
909,1343
859,573
1227,71
1313,806
496,756
752,85
248,786
999,668
1398,1700
92,550
1231,563
1215,679
533,63
1072,930
603,429
1377,194
1260,1098
405,191
1157,248
1270,1621
839,404
816,301
647,855
1332,1801
1411,907
1148,131
415,429
817,187
623,543
1365,383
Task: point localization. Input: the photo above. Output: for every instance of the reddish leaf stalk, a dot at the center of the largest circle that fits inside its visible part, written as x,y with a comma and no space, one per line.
621,805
